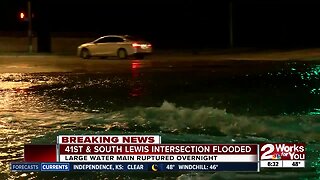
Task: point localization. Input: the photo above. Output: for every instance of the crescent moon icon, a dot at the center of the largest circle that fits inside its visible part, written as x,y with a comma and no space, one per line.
154,167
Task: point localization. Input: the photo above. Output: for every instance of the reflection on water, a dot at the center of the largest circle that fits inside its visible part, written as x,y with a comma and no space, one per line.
188,107
136,86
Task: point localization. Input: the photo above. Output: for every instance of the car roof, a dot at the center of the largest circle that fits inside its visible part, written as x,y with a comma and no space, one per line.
121,36
109,36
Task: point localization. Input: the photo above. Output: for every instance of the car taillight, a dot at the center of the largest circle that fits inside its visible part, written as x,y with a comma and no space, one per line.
135,45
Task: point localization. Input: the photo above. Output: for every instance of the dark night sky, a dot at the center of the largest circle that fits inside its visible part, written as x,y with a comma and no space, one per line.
274,23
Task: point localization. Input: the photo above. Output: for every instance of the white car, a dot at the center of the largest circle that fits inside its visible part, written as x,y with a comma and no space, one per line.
115,45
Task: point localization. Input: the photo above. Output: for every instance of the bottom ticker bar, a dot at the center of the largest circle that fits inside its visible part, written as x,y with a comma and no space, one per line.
232,166
129,167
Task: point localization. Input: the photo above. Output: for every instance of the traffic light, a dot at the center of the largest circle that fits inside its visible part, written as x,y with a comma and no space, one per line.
23,16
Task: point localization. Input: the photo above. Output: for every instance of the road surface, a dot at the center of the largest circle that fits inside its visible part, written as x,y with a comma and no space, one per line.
54,63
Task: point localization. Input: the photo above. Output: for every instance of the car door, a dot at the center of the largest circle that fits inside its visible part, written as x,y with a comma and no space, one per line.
117,43
102,46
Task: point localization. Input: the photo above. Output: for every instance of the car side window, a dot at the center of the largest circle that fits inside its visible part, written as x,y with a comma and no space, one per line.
104,40
109,39
116,39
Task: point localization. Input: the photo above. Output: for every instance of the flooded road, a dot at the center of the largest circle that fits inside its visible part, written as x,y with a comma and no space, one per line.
197,102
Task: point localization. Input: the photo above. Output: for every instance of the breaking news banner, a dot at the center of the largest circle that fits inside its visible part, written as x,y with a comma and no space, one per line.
135,153
282,155
158,153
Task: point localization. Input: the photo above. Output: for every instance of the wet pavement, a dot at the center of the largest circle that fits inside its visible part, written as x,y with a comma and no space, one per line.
191,99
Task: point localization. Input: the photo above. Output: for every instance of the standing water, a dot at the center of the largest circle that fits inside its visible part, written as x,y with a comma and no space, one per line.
204,104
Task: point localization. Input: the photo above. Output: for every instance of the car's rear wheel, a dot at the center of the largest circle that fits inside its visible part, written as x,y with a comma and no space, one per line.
122,54
85,54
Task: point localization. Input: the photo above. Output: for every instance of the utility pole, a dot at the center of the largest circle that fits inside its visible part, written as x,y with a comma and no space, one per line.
231,24
30,26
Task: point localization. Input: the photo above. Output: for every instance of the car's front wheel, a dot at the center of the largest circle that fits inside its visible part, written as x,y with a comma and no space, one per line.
85,54
122,54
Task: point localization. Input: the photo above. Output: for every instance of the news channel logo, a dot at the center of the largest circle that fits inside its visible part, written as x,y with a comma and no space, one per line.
282,151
